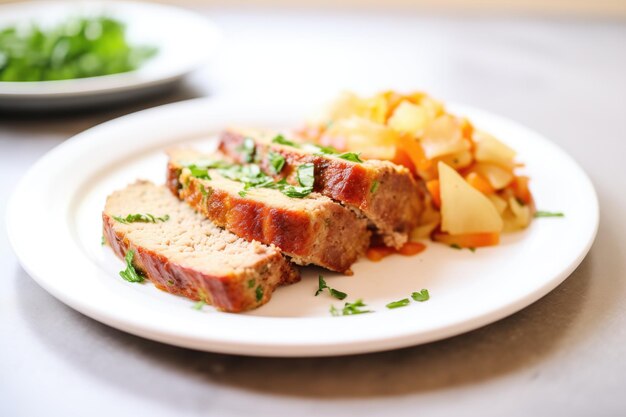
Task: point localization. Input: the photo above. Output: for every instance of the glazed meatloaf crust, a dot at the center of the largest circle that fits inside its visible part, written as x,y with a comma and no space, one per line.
310,230
183,253
385,193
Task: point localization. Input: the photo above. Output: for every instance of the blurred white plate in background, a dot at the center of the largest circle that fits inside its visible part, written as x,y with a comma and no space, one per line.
185,41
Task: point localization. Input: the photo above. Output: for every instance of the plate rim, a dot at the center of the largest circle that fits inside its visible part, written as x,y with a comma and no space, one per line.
283,349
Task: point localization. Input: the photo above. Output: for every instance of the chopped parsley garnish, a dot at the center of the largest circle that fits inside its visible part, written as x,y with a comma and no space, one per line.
327,150
247,149
280,139
397,304
200,169
130,273
354,308
374,187
259,293
421,296
277,161
321,284
350,156
335,293
295,192
103,240
306,175
306,178
242,193
251,283
247,174
350,309
170,282
252,177
541,213
459,247
320,149
198,306
201,172
141,218
203,191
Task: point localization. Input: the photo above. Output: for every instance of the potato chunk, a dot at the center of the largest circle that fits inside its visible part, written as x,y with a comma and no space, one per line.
464,209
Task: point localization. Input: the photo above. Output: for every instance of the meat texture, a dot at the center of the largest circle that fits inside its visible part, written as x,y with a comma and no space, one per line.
310,230
385,193
183,253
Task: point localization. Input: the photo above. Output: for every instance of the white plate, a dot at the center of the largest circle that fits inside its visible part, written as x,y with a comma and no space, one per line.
185,41
54,225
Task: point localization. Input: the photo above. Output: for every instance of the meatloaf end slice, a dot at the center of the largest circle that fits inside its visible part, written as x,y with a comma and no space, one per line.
189,255
310,230
385,193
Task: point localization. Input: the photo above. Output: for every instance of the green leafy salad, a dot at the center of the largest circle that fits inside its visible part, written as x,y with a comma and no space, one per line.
77,48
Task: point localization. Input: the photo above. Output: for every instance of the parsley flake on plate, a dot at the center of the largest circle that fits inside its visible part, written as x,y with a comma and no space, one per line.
198,306
397,304
350,309
335,293
421,296
541,213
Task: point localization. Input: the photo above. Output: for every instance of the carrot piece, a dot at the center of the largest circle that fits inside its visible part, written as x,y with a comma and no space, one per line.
376,253
414,149
521,190
473,240
411,248
434,190
480,183
465,171
402,158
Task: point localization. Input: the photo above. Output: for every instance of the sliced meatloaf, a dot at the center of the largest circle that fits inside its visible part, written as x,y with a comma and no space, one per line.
183,253
385,193
310,230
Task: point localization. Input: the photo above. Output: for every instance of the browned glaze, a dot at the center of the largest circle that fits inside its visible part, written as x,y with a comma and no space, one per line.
305,237
393,208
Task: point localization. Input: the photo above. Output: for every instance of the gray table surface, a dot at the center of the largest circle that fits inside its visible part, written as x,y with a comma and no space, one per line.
563,355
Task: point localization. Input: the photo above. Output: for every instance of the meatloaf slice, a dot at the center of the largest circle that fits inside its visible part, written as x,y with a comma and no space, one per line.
189,255
386,193
310,230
